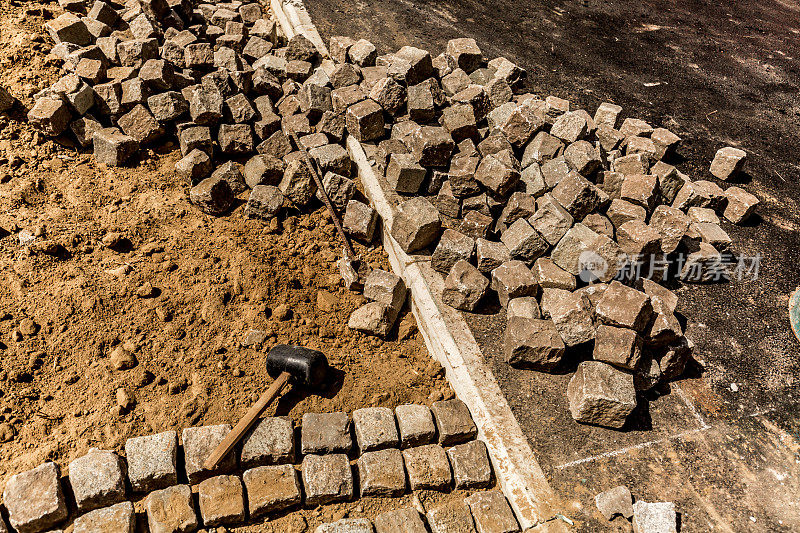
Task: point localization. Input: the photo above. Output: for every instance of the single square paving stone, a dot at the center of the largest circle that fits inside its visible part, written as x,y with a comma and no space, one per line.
525,307
152,461
513,279
171,510
600,394
325,433
198,443
385,287
492,513
347,525
221,500
616,501
34,499
327,479
407,520
112,147
453,517
194,167
464,286
427,467
624,307
97,479
453,421
365,120
452,247
607,115
470,463
119,518
381,473
621,347
265,202
524,242
375,428
416,425
532,343
416,225
270,442
271,488
741,205
140,124
654,517
490,255
360,220
404,174
728,162
339,189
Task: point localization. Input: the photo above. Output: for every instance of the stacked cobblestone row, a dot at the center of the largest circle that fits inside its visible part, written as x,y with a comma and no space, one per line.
413,447
554,210
216,76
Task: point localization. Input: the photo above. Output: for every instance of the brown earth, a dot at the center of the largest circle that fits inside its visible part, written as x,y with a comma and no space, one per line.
179,291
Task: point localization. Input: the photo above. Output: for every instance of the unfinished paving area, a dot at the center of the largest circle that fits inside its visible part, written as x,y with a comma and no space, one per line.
681,412
722,434
149,315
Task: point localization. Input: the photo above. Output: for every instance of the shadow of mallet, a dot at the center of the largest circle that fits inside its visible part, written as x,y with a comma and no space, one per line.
305,367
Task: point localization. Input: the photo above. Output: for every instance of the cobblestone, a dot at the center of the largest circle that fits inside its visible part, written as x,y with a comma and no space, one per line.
271,489
34,499
325,433
198,443
119,518
491,512
171,510
97,479
381,473
453,517
271,441
453,421
416,425
327,479
406,520
221,500
470,463
375,428
427,467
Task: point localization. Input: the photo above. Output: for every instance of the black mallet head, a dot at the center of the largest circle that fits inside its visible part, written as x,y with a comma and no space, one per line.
307,367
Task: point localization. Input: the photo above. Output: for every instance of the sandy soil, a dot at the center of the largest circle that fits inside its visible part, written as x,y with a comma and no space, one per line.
123,272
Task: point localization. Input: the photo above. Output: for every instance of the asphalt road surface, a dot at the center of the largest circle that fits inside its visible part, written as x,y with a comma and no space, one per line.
722,444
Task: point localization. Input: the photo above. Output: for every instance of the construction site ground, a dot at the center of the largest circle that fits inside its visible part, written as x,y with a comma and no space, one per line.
723,442
180,290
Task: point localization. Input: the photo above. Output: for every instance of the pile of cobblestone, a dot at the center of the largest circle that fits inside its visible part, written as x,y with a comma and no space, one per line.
220,78
575,222
411,448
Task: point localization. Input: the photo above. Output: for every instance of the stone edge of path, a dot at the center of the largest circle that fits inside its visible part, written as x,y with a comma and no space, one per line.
450,340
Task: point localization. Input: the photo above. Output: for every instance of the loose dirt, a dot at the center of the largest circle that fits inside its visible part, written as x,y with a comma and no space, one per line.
119,270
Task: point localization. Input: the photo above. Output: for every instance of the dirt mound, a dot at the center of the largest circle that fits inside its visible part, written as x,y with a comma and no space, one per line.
112,280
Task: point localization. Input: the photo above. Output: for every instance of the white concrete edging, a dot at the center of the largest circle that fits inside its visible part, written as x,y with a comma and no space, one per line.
449,340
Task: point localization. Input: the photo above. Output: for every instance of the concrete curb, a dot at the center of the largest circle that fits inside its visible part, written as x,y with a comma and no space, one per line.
450,341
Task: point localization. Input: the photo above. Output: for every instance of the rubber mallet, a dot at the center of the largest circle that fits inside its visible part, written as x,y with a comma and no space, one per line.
303,366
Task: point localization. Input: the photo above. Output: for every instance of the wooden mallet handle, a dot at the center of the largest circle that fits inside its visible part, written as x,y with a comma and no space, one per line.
247,422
